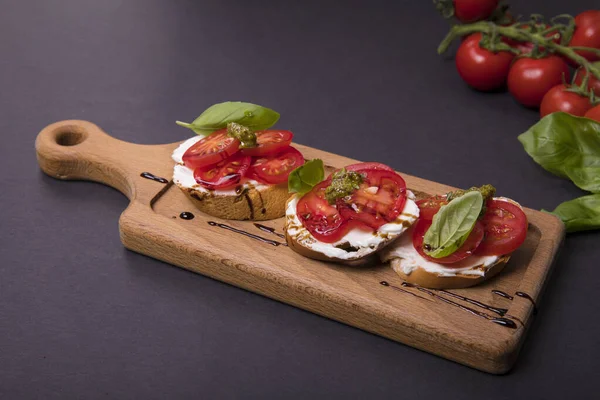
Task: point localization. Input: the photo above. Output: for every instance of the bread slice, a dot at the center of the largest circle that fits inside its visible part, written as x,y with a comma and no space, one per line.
301,241
432,280
249,203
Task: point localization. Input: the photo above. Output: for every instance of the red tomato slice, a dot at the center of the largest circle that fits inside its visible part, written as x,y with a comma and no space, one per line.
275,169
319,217
468,247
368,165
505,228
210,150
379,200
269,142
223,174
430,206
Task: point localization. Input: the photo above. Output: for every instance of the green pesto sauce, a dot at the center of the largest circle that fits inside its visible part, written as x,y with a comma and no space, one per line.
487,191
343,183
242,133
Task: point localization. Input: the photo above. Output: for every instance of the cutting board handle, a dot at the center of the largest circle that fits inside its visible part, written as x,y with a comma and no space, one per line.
75,149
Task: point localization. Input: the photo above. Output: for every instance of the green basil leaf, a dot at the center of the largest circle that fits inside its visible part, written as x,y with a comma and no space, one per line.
581,214
305,177
452,225
567,146
219,115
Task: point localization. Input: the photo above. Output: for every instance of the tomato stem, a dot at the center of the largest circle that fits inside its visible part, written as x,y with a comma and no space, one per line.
520,35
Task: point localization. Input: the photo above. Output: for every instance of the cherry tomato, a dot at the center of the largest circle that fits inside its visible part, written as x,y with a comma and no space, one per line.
593,113
559,99
269,142
430,206
480,68
275,168
379,199
474,10
319,217
530,79
473,241
587,33
210,150
526,47
505,228
593,82
223,174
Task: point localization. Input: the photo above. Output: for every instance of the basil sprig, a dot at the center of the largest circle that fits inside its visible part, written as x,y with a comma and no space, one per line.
452,225
305,177
569,147
219,115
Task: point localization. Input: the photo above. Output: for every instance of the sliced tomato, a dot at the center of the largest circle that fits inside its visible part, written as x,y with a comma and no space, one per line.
319,217
210,150
379,199
269,142
430,206
275,169
505,228
368,165
223,174
468,247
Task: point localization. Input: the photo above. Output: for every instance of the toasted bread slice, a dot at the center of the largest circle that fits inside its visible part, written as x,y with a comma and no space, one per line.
434,280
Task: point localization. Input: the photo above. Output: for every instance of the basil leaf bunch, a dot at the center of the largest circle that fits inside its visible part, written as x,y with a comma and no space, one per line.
305,177
569,147
219,115
452,225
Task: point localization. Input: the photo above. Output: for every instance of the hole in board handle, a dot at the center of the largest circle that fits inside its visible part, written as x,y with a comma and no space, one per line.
69,138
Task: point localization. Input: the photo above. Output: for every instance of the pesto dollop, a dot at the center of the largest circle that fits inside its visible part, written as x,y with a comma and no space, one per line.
242,133
487,191
343,183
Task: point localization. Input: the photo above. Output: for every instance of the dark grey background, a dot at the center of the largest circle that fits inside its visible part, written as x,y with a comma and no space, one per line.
80,316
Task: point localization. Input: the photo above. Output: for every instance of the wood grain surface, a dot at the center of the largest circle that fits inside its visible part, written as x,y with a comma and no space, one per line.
151,225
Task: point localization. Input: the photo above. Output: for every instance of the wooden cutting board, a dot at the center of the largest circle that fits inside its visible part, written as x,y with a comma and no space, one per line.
461,325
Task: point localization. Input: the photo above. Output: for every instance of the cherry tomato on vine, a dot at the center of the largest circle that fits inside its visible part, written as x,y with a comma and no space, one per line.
474,10
530,79
560,99
587,33
593,113
526,47
593,82
480,68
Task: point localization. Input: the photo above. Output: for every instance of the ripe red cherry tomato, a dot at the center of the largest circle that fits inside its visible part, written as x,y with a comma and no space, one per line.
530,79
379,199
559,99
480,68
430,206
593,113
505,228
320,218
526,47
468,247
275,168
593,82
223,174
474,10
587,33
210,150
269,142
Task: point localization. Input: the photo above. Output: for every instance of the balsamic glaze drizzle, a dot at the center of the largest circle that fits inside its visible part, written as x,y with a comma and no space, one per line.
248,234
186,215
499,311
502,294
268,229
152,177
528,297
497,320
385,283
